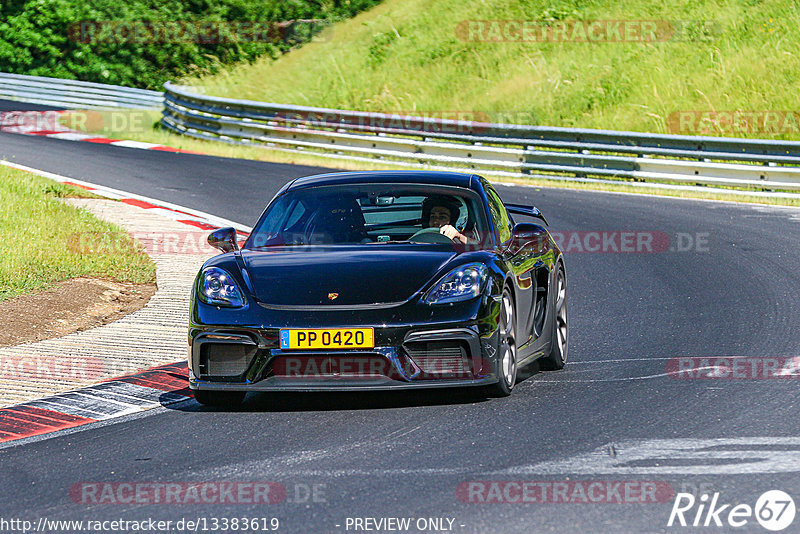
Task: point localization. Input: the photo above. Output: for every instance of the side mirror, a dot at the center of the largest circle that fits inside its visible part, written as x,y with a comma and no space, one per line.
224,239
528,235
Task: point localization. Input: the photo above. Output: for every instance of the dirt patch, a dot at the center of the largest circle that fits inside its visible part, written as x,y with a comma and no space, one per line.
69,306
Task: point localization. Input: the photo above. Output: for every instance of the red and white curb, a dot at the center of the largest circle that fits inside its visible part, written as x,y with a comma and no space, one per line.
158,386
47,124
181,214
115,397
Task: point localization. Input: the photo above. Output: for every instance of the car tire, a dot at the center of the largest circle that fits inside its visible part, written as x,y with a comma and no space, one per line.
221,399
559,327
506,362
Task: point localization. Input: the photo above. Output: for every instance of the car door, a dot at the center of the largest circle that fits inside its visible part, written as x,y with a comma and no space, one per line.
520,262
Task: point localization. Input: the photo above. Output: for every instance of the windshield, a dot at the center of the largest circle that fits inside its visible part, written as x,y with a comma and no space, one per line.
372,214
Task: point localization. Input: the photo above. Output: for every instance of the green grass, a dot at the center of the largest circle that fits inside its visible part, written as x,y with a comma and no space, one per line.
405,55
46,241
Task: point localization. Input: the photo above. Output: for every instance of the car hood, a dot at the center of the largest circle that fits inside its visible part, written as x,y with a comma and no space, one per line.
342,276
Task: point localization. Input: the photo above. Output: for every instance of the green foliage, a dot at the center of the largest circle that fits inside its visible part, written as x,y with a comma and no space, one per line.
380,45
45,37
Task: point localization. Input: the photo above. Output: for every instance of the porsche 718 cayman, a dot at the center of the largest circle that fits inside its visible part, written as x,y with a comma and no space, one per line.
378,280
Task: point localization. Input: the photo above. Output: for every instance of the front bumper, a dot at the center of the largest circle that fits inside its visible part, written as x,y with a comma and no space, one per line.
339,384
232,358
417,346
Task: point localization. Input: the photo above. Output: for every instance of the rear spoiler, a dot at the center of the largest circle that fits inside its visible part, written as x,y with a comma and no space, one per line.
530,211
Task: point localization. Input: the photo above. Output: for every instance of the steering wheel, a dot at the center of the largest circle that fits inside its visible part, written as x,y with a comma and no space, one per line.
430,235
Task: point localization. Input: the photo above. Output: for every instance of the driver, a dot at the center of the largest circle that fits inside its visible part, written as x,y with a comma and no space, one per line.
439,212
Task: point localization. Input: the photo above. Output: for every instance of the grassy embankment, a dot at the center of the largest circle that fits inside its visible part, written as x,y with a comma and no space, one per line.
39,235
416,56
407,55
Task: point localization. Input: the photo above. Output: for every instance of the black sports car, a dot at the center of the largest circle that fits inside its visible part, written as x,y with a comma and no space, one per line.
378,280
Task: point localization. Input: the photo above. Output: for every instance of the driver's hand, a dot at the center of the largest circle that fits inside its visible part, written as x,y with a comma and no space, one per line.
449,231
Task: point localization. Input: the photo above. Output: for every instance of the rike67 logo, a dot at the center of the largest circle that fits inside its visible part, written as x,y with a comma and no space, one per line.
774,510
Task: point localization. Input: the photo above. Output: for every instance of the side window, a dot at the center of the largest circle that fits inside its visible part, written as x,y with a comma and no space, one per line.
297,211
272,221
499,215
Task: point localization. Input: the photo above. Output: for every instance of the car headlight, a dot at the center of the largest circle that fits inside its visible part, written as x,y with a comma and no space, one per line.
462,283
217,287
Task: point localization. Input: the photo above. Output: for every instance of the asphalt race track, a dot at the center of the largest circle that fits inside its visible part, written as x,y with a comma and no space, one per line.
11,105
727,284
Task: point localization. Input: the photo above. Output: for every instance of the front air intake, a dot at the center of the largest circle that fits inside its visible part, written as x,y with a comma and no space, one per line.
441,359
225,359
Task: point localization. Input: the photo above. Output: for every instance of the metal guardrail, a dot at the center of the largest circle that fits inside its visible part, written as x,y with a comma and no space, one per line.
499,148
567,153
72,94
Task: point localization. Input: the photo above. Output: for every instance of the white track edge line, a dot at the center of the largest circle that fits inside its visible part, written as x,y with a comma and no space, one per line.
118,193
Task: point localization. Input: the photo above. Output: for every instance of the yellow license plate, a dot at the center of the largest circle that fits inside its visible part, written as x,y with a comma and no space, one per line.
328,338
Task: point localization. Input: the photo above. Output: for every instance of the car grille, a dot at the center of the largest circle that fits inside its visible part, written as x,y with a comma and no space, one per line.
225,359
441,359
